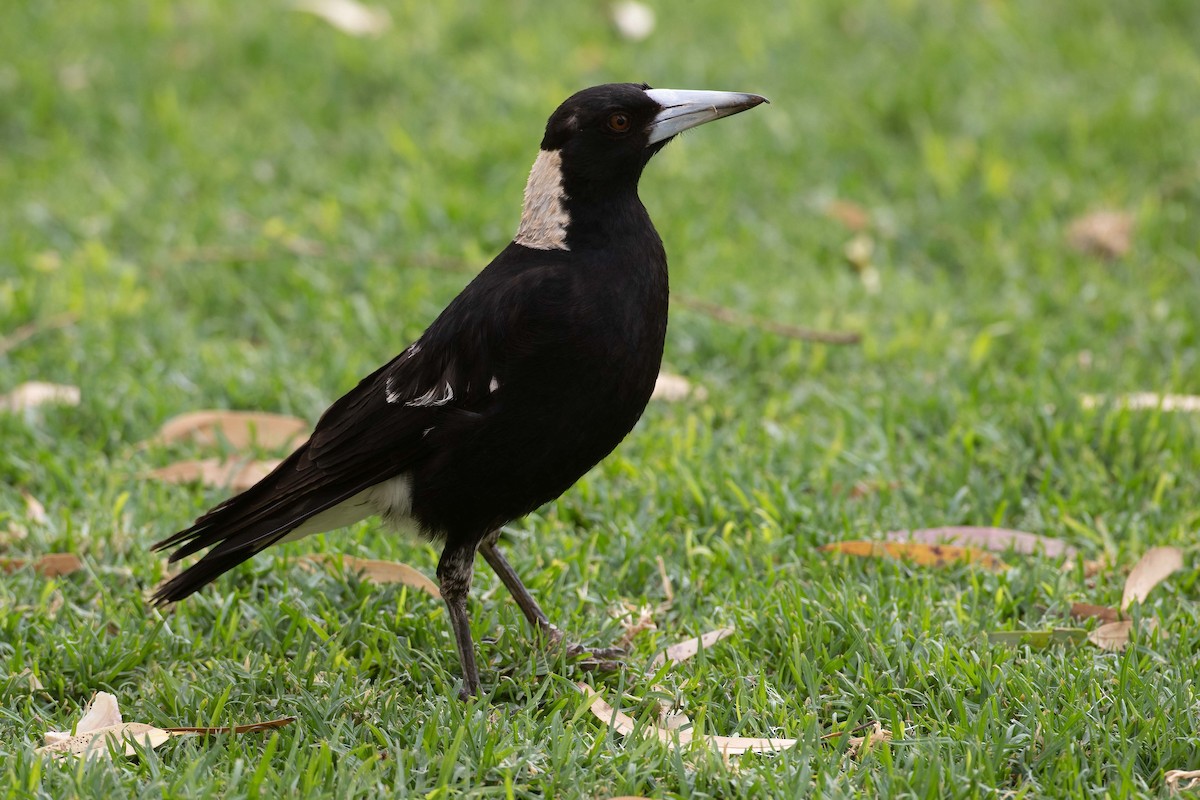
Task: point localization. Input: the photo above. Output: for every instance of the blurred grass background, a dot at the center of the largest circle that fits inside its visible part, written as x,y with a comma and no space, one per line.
242,207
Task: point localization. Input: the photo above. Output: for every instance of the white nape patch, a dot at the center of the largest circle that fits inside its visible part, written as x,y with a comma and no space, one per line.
433,397
544,218
390,499
493,385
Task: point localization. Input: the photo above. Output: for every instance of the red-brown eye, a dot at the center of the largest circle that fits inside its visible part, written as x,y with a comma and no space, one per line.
619,122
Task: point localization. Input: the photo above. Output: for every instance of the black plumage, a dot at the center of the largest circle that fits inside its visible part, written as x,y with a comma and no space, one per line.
531,376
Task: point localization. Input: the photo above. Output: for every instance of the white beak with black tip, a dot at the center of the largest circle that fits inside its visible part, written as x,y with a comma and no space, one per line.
683,109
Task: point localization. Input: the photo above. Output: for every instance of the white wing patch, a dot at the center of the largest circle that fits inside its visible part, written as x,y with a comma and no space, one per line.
437,396
493,385
391,393
390,499
544,218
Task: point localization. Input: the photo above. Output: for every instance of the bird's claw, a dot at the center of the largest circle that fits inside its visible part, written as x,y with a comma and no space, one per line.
591,659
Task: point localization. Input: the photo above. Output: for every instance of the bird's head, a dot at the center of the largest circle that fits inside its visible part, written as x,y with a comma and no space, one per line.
610,132
600,139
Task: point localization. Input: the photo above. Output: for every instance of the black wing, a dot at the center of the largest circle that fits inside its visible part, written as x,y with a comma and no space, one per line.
377,430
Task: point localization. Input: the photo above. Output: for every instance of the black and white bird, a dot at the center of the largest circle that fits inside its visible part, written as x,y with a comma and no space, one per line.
531,376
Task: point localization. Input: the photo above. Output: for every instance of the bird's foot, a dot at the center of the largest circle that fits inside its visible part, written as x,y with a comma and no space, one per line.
592,659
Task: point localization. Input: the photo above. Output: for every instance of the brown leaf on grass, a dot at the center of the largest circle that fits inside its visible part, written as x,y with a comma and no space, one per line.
1144,401
348,16
1089,611
926,555
1112,636
381,572
1107,234
33,394
237,474
241,429
51,565
681,652
101,727
997,540
1176,778
726,745
1151,570
853,216
673,388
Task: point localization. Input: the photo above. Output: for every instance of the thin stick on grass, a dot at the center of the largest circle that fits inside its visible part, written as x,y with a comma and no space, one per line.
730,317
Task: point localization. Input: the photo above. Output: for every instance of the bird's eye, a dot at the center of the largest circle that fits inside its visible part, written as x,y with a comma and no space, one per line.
619,122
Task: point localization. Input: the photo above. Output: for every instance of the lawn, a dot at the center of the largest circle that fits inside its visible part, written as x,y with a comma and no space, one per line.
212,204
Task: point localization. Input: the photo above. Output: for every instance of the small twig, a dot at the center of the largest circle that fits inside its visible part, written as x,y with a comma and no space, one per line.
31,329
731,317
849,732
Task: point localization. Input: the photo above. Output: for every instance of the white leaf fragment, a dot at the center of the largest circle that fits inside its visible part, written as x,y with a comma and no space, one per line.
634,20
32,394
348,16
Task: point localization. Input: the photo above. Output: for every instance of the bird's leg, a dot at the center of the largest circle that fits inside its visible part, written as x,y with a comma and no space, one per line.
454,574
600,658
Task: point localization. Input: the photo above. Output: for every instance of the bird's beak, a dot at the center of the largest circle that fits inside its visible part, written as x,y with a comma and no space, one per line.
682,109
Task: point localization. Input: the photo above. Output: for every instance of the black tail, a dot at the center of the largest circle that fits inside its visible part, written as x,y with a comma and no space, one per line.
251,521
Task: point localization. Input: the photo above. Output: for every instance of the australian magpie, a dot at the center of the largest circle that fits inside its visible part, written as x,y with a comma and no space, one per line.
534,373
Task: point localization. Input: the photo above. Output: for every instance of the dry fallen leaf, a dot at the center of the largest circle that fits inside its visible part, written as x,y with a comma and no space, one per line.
928,555
672,388
101,727
1089,611
34,509
95,744
241,429
853,216
50,565
684,650
726,745
1175,779
1108,234
236,474
995,539
1144,401
1151,570
1112,636
32,680
36,393
348,16
381,572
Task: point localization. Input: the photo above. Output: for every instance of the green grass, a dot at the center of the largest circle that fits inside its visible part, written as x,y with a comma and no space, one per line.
247,209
